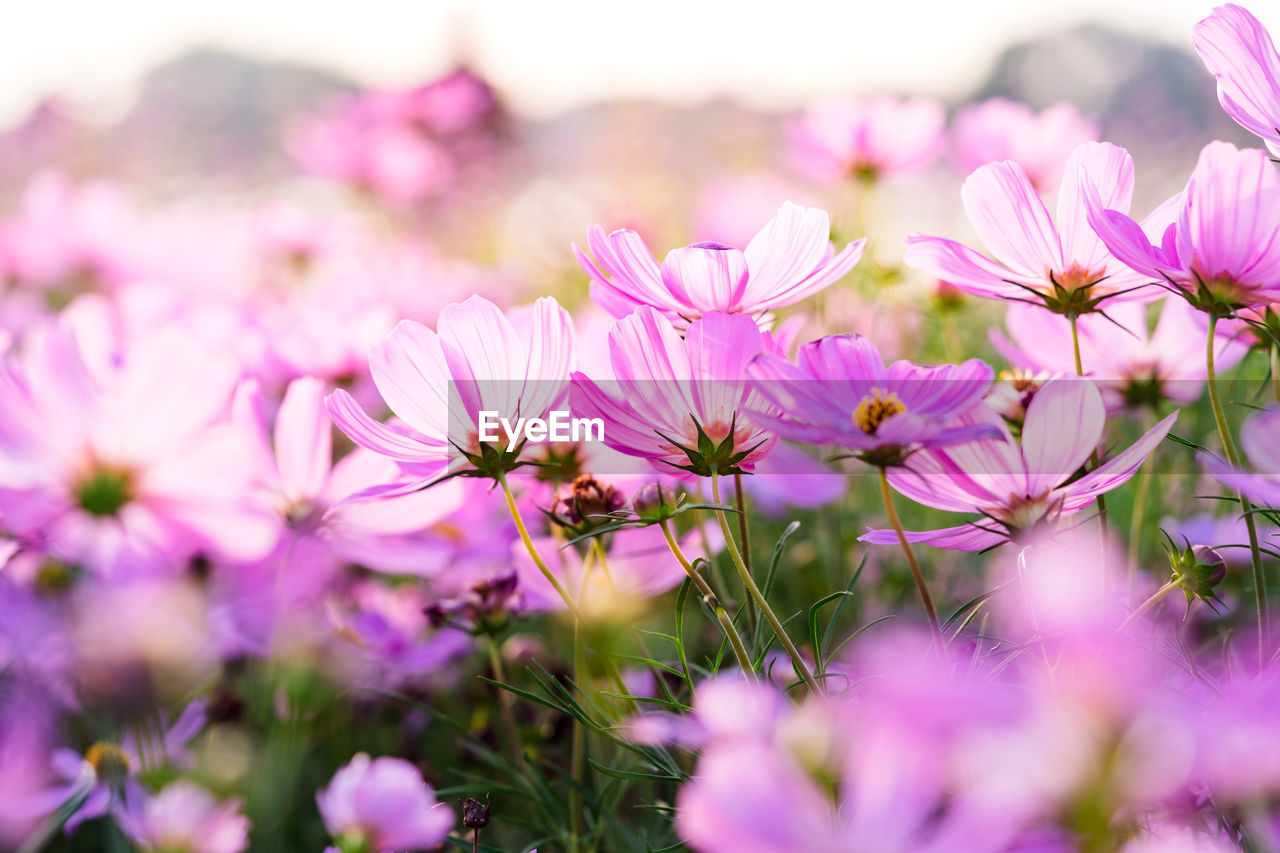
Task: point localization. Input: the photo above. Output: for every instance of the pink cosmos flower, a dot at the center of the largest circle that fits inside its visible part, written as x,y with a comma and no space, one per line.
437,383
1017,487
790,259
315,500
873,138
667,389
1222,248
839,391
384,805
133,469
1260,440
1132,365
1238,50
1064,265
185,818
1041,143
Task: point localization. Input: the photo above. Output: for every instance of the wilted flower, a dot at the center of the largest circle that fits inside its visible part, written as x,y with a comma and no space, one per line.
790,259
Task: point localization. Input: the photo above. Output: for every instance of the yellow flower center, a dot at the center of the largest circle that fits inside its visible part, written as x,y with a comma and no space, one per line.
875,408
109,761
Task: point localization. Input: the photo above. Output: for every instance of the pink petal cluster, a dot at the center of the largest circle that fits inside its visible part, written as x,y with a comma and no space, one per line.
385,805
1019,486
873,138
1040,143
791,258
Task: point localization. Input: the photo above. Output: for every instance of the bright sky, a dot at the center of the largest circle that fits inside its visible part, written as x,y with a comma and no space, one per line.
549,54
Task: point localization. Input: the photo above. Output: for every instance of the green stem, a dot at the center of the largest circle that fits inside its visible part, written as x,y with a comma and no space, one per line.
709,596
925,598
504,701
533,552
744,531
798,662
1100,500
1229,447
1151,602
1136,521
578,746
1275,372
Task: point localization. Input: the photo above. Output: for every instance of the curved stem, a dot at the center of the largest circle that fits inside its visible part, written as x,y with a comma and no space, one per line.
709,596
797,662
1229,447
925,598
533,552
1151,602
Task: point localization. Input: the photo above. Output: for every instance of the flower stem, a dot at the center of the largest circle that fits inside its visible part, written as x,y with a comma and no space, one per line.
709,596
533,552
1136,520
1100,500
797,662
1229,447
504,701
925,598
1151,602
1275,372
744,531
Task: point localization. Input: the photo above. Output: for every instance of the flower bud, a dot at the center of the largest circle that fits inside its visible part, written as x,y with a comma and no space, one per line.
654,502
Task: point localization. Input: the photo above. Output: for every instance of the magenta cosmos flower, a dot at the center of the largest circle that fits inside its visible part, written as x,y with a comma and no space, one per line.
1017,487
437,383
1238,50
840,392
1133,365
383,805
1063,266
1221,251
1040,142
790,259
1260,440
878,137
666,391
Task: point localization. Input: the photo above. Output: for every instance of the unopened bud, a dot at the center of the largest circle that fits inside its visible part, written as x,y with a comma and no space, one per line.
475,814
654,502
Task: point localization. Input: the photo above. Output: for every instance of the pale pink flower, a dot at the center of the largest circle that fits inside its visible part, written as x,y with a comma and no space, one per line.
1238,50
788,260
384,804
134,469
1040,142
878,137
1132,365
1019,486
185,818
437,383
1062,265
1221,251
